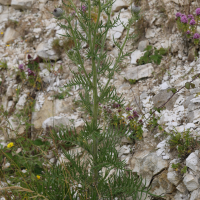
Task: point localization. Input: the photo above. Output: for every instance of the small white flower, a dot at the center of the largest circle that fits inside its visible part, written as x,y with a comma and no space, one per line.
24,171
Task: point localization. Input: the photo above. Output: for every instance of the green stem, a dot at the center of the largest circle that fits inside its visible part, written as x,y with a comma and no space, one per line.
95,102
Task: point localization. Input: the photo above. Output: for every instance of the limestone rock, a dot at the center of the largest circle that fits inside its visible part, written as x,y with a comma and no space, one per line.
10,35
161,185
22,4
195,195
162,97
180,196
191,182
147,165
143,44
52,122
150,33
118,5
191,54
5,2
137,159
136,55
44,51
173,178
192,161
15,127
142,71
21,103
38,117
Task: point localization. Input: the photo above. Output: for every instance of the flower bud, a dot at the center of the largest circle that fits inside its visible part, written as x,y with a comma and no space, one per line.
58,12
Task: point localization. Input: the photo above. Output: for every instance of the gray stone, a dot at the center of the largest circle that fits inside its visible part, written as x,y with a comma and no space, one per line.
187,101
5,2
118,5
161,185
180,196
44,51
150,33
191,182
143,44
137,54
195,195
142,71
192,161
22,4
191,54
147,165
52,122
10,35
21,103
173,178
160,98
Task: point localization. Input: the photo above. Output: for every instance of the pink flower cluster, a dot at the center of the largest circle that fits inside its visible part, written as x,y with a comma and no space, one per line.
183,23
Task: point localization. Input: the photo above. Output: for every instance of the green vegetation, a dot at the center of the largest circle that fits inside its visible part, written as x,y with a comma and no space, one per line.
152,55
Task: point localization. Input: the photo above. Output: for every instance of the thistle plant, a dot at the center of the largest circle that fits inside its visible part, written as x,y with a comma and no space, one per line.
93,175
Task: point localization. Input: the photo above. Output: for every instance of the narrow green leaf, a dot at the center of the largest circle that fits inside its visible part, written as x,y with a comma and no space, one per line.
38,142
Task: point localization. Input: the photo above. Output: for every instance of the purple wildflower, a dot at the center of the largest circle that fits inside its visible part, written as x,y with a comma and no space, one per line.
184,19
190,16
119,111
21,66
30,72
29,57
135,114
83,8
192,22
128,108
188,32
140,121
196,36
130,117
178,14
73,13
198,11
116,105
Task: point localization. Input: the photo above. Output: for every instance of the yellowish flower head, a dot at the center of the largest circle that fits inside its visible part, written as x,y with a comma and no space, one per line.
10,145
1,33
38,177
7,45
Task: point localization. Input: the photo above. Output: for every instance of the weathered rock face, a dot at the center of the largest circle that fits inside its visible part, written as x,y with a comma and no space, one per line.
136,73
54,107
45,51
160,98
5,2
10,35
147,165
118,5
22,4
161,185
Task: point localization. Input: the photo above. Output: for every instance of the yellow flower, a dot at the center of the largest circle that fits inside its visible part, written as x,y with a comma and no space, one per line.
176,169
7,45
16,89
10,145
1,33
38,177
